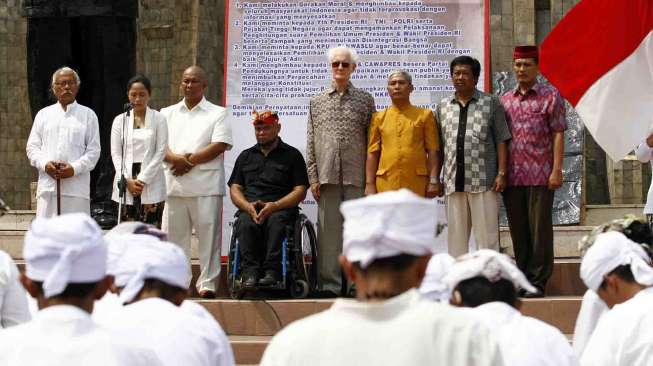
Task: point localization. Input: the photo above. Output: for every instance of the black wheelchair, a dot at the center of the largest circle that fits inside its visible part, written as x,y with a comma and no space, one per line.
298,262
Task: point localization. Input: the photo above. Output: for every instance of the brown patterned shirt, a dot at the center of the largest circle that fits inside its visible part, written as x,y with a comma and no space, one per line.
337,136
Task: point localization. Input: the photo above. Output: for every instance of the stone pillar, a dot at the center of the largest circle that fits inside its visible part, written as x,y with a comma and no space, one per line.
15,118
155,47
625,180
524,22
501,30
174,35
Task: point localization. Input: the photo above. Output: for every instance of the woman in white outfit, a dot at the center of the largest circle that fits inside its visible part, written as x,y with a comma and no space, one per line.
141,137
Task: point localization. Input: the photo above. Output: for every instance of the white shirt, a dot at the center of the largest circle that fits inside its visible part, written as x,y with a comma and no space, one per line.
644,154
591,310
525,341
13,298
624,335
178,337
190,131
71,136
404,330
155,142
107,308
65,335
139,139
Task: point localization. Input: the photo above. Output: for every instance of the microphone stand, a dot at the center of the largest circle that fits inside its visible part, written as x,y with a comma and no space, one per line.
122,183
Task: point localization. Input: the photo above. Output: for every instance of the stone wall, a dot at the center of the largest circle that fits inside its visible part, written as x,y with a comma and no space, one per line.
174,35
15,119
521,22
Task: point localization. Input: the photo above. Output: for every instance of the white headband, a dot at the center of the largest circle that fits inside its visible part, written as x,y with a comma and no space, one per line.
432,286
64,249
489,264
611,250
388,224
143,259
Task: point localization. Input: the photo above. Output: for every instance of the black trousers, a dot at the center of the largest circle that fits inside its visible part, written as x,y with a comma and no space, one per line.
531,229
260,245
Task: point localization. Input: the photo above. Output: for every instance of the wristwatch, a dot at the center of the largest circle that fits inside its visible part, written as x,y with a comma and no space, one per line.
434,180
501,173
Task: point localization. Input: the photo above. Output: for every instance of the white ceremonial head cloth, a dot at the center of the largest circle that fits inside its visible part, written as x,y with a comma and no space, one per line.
388,224
117,246
64,249
127,227
611,250
144,259
489,264
432,286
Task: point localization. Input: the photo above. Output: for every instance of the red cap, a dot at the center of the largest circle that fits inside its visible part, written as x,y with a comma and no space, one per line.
266,117
525,52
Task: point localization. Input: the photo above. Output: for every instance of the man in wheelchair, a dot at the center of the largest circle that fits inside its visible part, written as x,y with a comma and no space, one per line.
267,184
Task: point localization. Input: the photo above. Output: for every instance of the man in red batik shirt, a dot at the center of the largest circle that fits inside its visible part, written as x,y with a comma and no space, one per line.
536,117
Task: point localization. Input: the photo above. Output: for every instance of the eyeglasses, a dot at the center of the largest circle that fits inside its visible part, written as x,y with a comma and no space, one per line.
66,83
345,65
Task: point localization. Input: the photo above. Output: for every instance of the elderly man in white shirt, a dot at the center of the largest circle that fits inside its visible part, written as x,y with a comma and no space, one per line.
386,251
488,281
151,277
64,145
619,271
65,271
198,135
13,299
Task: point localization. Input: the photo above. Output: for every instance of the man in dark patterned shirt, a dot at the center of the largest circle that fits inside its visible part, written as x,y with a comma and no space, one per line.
536,116
474,134
336,150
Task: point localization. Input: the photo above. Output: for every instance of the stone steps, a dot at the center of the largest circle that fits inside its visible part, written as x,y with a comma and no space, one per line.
251,324
598,214
15,223
565,280
248,350
565,239
267,317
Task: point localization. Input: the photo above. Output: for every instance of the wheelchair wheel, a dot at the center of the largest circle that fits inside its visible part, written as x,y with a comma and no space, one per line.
306,259
299,289
233,269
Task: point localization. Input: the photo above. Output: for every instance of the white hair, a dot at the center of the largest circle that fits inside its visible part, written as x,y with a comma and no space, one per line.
64,70
402,73
353,55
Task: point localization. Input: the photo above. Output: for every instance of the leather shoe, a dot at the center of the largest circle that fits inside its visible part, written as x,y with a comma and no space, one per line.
207,294
270,278
532,295
249,280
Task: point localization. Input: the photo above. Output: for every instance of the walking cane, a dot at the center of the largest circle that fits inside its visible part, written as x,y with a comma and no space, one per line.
58,196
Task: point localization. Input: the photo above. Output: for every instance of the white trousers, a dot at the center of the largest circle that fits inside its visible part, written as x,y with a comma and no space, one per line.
472,211
46,205
204,214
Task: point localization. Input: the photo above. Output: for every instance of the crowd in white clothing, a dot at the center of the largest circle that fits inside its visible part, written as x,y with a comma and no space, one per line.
120,299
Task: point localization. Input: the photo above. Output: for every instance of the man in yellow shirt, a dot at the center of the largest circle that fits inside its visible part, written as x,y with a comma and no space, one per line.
403,145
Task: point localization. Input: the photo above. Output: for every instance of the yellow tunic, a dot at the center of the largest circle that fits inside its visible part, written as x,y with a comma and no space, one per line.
403,135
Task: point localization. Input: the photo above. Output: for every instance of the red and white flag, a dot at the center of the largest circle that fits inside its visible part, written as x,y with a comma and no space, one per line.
600,57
